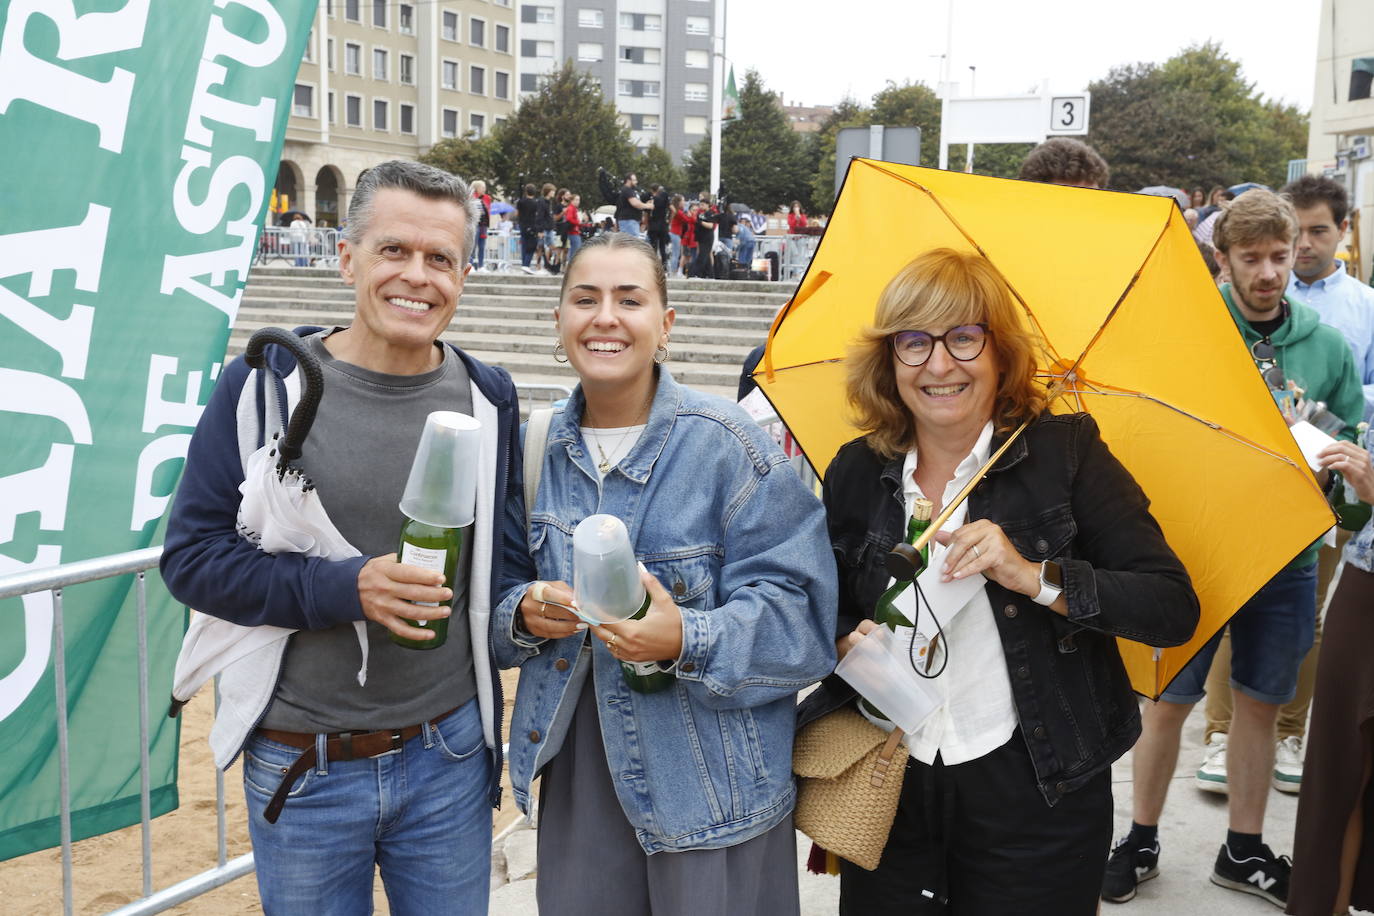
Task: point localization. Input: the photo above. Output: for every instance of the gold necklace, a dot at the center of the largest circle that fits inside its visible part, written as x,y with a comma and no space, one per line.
604,465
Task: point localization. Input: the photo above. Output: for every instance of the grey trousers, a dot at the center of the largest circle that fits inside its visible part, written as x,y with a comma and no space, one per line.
590,863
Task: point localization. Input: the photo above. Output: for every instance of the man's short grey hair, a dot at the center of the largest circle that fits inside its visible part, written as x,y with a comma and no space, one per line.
418,178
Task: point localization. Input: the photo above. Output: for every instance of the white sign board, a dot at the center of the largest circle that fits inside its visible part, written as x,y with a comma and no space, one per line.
1012,119
1069,114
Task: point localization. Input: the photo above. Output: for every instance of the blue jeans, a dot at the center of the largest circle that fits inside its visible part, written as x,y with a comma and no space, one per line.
674,253
629,226
421,813
746,252
574,243
1270,636
529,242
480,255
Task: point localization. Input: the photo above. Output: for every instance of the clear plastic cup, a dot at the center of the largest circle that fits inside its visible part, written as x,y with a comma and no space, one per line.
878,670
606,585
442,487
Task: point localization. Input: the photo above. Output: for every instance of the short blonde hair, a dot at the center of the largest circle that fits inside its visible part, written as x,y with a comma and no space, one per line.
941,288
1255,216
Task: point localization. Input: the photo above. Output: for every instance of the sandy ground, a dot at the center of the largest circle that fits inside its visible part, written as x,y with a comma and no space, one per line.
108,872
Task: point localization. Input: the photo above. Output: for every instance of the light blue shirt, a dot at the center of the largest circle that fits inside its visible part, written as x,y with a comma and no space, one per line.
1348,306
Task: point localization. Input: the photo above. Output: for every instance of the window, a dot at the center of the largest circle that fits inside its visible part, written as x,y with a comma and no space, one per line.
379,13
450,26
329,53
477,124
379,63
637,88
589,50
542,14
1361,78
353,110
449,74
643,122
641,55
628,21
380,109
695,92
651,88
698,60
477,32
353,10
329,8
353,59
503,39
477,80
408,69
653,22
694,124
698,25
535,48
331,107
641,22
303,101
309,56
502,87
625,87
449,125
407,118
529,82
590,19
406,19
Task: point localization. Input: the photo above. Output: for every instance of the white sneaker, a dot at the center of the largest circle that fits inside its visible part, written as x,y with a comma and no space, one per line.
1211,776
527,269
1288,764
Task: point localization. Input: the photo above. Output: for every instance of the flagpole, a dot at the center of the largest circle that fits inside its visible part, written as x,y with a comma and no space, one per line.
717,90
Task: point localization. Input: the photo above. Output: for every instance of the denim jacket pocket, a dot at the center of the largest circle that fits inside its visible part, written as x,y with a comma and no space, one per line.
688,574
1044,537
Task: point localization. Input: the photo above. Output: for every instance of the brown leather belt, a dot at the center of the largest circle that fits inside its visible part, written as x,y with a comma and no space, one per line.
338,746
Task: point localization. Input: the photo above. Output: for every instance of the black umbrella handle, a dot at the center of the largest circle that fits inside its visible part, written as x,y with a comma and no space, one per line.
312,387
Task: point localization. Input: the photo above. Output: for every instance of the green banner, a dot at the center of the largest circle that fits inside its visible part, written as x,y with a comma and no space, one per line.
141,138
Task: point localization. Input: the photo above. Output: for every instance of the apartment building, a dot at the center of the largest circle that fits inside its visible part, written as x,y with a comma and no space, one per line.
382,79
652,58
1340,140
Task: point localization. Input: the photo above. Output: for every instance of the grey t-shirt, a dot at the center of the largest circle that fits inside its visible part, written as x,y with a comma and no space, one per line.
358,455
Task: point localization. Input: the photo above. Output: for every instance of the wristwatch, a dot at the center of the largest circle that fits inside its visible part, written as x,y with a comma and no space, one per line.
1051,583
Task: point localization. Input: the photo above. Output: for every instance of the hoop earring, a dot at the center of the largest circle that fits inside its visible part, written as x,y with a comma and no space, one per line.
558,351
661,355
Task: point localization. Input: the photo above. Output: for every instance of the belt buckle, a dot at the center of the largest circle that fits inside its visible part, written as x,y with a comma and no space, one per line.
396,741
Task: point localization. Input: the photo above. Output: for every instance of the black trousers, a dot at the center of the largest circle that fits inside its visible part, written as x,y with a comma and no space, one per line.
658,240
978,838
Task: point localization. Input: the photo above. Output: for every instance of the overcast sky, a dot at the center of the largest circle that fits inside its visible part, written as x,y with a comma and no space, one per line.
816,51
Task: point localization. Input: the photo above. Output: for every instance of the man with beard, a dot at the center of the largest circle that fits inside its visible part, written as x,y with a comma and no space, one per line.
1255,238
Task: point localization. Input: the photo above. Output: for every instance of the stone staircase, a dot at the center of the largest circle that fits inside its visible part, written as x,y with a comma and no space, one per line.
507,320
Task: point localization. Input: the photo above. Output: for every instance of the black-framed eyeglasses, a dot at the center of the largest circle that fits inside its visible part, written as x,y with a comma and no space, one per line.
963,343
1266,360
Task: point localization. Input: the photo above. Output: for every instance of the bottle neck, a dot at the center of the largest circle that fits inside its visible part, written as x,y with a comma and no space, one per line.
643,608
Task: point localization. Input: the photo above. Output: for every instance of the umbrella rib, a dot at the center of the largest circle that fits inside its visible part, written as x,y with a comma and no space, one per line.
1040,331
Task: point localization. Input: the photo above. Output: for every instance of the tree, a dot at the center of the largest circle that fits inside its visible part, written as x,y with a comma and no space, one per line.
469,159
656,166
561,134
1000,160
761,158
911,105
849,113
1192,121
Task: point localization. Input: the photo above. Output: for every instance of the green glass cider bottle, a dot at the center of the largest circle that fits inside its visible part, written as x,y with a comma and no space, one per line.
646,677
439,549
885,611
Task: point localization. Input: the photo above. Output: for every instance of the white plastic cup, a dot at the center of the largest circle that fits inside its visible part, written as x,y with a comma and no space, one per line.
606,585
878,670
442,487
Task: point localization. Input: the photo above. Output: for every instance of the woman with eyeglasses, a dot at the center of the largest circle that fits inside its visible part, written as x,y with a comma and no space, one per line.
1006,805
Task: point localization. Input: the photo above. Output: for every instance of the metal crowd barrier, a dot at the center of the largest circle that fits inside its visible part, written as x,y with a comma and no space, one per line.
313,247
794,253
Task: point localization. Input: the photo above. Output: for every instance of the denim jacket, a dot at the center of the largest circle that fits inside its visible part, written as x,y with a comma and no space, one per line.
718,516
1058,494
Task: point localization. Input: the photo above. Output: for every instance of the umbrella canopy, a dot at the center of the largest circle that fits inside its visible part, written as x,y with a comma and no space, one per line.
1131,329
1178,194
501,207
1239,189
282,511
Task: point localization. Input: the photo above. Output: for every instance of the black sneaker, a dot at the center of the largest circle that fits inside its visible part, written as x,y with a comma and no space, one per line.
1126,868
1263,875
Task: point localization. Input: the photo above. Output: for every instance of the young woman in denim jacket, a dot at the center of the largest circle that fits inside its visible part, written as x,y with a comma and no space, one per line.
1006,806
680,801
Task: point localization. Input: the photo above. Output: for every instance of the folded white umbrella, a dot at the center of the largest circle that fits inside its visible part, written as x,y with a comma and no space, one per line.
280,512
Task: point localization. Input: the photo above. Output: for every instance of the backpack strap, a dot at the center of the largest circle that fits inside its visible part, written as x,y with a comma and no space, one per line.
536,438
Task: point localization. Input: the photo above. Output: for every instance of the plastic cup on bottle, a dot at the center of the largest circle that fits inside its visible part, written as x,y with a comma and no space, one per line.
606,585
878,670
442,488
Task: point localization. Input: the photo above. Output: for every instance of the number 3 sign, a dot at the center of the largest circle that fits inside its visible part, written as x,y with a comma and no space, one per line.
1068,114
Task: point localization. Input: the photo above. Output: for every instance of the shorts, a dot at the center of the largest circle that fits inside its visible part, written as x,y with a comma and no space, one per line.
1270,636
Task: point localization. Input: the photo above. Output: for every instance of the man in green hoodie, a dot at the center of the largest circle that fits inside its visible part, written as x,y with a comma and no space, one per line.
1270,634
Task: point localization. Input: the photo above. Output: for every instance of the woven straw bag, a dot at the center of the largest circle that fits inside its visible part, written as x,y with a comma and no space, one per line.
849,778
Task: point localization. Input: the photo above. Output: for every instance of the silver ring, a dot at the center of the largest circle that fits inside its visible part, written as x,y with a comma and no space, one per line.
976,552
543,609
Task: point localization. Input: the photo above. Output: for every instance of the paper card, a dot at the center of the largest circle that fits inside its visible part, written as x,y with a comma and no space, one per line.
1310,441
946,599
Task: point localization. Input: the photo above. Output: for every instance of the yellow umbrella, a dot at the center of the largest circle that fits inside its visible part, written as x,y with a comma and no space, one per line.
1132,330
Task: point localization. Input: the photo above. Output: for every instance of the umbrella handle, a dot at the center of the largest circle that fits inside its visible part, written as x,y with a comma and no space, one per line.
312,387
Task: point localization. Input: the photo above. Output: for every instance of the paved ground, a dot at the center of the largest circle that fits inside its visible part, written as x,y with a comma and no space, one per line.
1193,829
